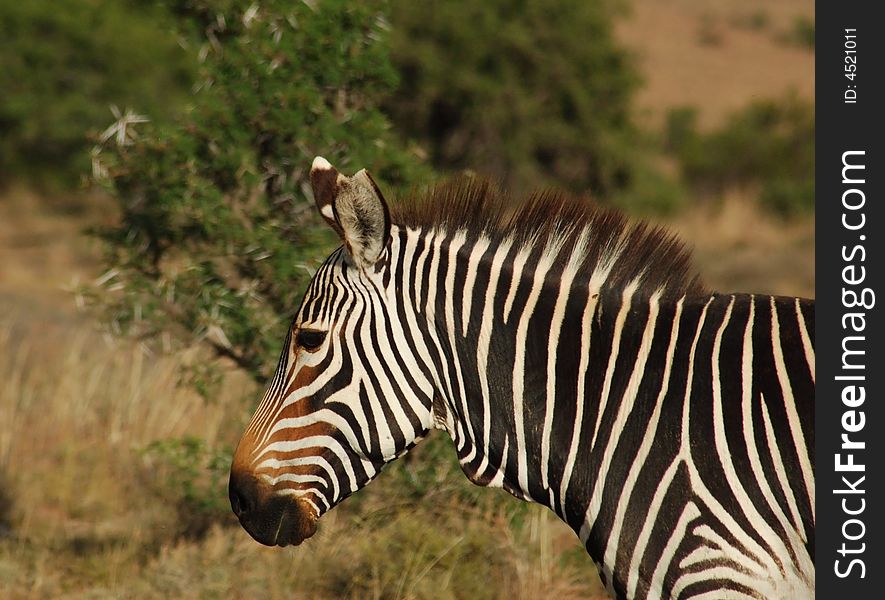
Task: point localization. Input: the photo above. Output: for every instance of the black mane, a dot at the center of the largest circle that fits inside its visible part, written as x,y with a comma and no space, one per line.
644,253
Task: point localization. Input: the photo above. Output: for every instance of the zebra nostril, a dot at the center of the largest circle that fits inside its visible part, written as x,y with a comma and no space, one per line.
239,501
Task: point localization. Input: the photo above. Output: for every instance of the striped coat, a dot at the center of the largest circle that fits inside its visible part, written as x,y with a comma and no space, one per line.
575,361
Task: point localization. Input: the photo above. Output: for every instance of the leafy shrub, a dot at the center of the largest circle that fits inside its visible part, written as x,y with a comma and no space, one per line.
651,190
63,63
530,93
802,33
680,129
191,478
217,237
770,144
788,197
756,20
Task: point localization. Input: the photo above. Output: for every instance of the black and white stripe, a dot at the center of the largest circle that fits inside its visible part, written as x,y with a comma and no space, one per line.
671,428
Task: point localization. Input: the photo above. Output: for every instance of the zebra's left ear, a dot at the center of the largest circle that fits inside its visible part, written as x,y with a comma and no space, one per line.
354,208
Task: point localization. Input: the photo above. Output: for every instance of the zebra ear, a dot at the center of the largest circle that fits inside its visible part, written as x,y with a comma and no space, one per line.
354,208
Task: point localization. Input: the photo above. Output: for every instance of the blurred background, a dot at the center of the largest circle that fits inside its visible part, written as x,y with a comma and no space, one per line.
155,239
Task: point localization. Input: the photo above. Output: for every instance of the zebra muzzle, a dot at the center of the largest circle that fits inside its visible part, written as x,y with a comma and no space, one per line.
271,519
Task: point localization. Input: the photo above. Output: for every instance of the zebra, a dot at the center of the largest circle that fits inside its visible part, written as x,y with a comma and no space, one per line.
574,359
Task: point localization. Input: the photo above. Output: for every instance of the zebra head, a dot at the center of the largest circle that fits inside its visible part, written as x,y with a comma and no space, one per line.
345,398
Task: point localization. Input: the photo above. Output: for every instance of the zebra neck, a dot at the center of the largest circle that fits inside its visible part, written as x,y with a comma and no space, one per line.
546,397
530,371
585,395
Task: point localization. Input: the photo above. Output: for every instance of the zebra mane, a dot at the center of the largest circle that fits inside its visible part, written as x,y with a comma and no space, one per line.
630,251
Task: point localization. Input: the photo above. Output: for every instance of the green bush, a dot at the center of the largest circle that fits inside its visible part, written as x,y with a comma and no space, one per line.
217,236
651,190
530,93
190,477
757,20
63,63
802,33
769,144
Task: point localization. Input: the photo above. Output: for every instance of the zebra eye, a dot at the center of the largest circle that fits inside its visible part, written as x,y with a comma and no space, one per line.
310,339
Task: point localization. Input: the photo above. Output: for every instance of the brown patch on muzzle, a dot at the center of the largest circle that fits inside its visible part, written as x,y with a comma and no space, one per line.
272,516
271,519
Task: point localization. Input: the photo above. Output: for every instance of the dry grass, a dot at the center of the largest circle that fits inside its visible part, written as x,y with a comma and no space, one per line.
738,248
80,516
87,521
87,514
712,56
75,413
42,249
718,57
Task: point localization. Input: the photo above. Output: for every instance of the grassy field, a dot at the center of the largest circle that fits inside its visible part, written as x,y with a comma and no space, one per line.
717,55
87,511
86,514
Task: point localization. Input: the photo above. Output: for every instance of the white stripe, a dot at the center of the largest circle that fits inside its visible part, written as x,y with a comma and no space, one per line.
320,442
645,447
698,487
651,519
565,284
648,526
792,528
747,507
296,478
689,513
302,495
545,262
400,357
593,289
722,572
620,319
384,392
719,543
473,262
625,408
455,244
805,565
790,405
806,341
275,464
409,278
419,265
685,446
516,277
498,479
394,359
484,342
447,389
723,595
